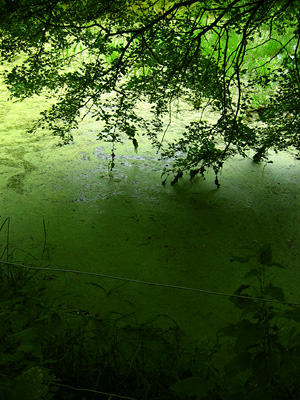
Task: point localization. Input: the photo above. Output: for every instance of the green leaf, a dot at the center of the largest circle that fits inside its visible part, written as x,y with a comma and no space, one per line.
6,358
252,272
241,289
32,335
259,393
241,302
293,314
264,367
19,321
4,327
55,324
203,358
27,348
275,292
231,330
29,385
251,334
238,364
276,264
192,387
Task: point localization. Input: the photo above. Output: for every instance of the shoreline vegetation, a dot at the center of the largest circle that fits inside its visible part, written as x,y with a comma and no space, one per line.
50,350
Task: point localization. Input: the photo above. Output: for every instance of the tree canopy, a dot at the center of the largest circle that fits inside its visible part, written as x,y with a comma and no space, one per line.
236,58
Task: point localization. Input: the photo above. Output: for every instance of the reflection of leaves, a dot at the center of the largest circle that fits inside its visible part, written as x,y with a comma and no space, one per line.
194,172
217,183
178,176
135,144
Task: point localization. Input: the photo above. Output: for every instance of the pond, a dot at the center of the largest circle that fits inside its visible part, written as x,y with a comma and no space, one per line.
66,207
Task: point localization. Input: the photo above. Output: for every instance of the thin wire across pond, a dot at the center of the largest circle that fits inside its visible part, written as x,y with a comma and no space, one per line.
150,283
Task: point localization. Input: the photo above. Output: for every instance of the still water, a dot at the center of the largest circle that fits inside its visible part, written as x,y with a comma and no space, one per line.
64,205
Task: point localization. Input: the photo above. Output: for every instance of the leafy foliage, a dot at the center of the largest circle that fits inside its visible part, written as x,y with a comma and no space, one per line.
101,58
52,350
264,343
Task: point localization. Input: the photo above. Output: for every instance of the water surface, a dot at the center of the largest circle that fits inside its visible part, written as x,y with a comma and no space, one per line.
127,224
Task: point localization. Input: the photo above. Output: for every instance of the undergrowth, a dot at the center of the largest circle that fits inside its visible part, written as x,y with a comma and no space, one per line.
51,351
263,346
54,352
